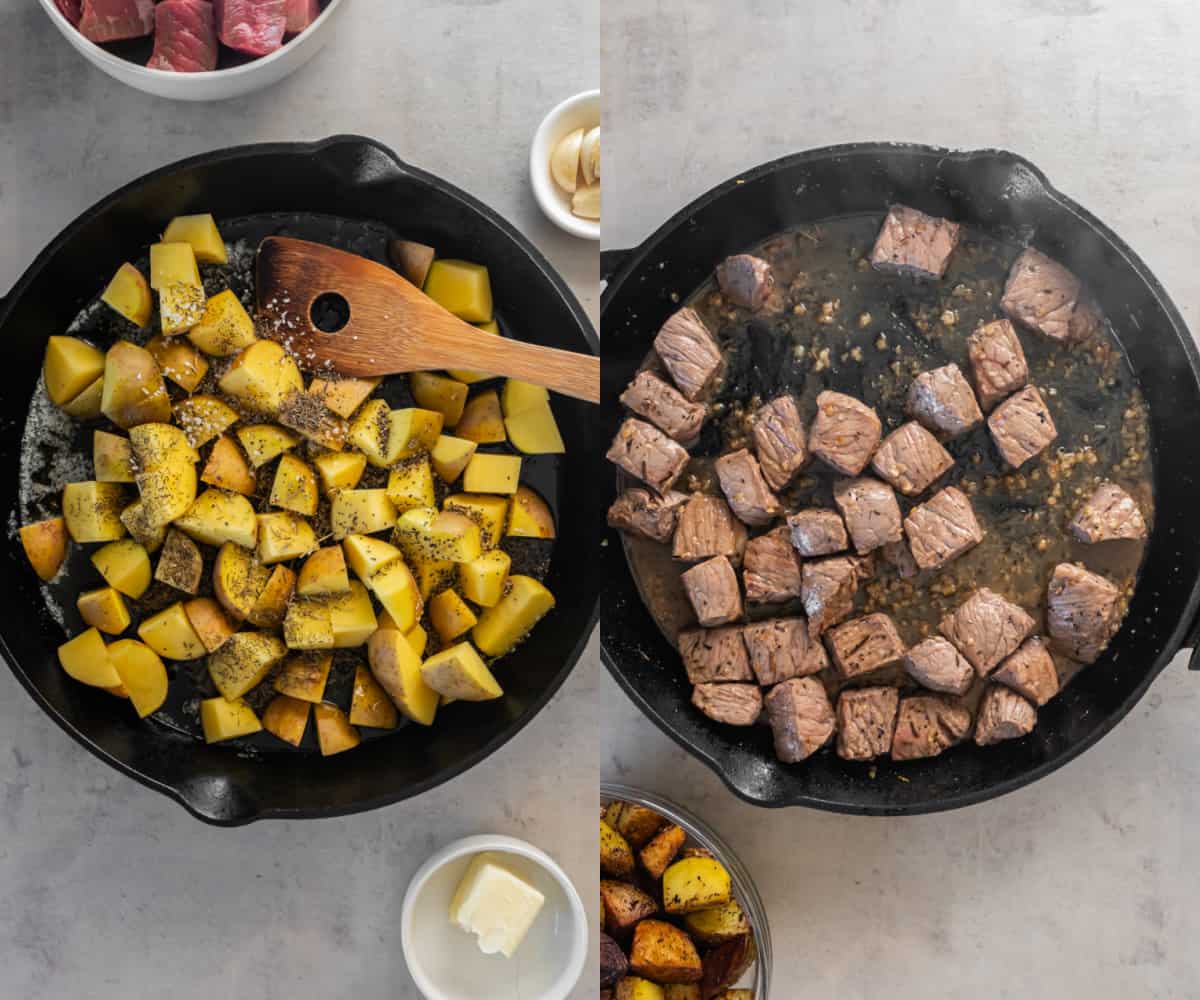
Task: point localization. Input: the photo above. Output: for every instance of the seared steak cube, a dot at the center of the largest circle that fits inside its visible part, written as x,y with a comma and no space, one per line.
899,556
1080,611
1109,513
942,400
866,720
935,663
647,514
997,362
1022,427
688,351
712,587
780,441
801,718
870,511
1030,671
714,655
942,528
864,645
845,433
827,589
926,725
1043,295
817,532
732,704
708,528
771,568
780,649
914,242
745,280
745,488
911,459
986,628
664,406
1003,715
644,451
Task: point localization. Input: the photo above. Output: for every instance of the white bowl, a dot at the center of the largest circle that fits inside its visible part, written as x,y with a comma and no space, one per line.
580,111
214,86
446,963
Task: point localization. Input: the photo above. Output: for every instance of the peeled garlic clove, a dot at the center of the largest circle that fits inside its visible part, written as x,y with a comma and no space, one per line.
564,160
586,202
589,156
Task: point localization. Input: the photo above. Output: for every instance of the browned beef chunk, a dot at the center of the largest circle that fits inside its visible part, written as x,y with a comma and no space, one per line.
732,704
1109,513
771,568
644,451
1030,671
944,402
708,528
1081,611
899,556
911,459
866,719
1022,427
986,628
688,351
926,725
801,718
712,587
648,514
1003,715
845,433
827,589
745,280
714,655
1043,295
817,532
914,242
780,649
997,362
745,488
864,645
780,441
935,663
664,406
942,528
870,511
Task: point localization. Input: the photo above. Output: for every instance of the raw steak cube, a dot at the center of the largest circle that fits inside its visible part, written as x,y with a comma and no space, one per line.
1109,513
1081,611
647,514
911,459
645,452
987,629
688,351
780,441
771,568
866,720
870,511
745,280
817,532
926,725
915,243
714,655
72,10
780,649
1043,295
1022,427
801,718
255,27
997,362
185,37
712,587
827,589
116,20
1003,715
708,528
942,528
664,406
845,433
943,401
935,663
300,14
1030,671
732,704
745,488
865,645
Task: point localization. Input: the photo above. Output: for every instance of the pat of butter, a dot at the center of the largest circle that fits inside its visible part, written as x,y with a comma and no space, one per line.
496,905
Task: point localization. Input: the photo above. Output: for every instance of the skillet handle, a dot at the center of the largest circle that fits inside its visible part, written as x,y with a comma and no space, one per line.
611,261
1193,642
217,799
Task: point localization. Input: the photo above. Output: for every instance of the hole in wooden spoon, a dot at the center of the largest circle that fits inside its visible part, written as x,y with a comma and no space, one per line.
330,312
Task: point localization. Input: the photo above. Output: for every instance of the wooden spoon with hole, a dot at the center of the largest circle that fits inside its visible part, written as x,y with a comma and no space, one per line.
393,327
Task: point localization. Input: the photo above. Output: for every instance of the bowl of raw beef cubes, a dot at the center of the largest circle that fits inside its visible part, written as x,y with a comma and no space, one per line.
195,50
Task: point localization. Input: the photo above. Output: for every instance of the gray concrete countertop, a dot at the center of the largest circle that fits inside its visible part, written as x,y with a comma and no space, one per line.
1085,884
107,889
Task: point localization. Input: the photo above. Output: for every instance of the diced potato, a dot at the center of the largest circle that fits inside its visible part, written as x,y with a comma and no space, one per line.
125,567
370,433
351,616
263,442
661,849
418,638
343,395
489,512
169,633
685,991
466,374
294,487
634,988
204,418
695,884
225,328
180,307
637,824
172,263
412,431
411,485
366,555
283,535
535,432
398,670
447,536
492,474
395,588
133,392
461,288
243,661
616,857
45,545
226,720
450,456
715,925
271,606
324,572
501,627
218,516
128,295
663,953
228,469
200,232
209,621
450,616
437,392
369,703
137,522
179,362
517,396
482,580
86,406
286,718
360,512
92,511
340,470
481,420
304,676
238,579
142,674
71,365
459,673
85,658
624,905
262,377
411,259
112,458
307,415
307,625
180,564
530,515
740,994
334,733
164,448
432,575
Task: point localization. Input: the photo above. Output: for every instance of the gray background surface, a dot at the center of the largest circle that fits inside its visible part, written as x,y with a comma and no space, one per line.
1084,885
107,889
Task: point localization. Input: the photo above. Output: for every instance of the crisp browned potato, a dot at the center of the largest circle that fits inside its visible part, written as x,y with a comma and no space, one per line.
695,884
717,924
616,859
334,732
724,964
682,991
663,953
625,905
180,564
613,963
661,849
637,824
286,718
369,703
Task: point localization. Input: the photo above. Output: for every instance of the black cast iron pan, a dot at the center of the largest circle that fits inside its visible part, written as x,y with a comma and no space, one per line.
352,192
995,191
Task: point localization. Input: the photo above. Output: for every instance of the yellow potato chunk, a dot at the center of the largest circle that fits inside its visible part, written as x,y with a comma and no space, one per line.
203,418
340,470
112,458
169,633
307,415
461,288
334,733
179,362
304,676
225,328
535,432
142,674
180,307
167,473
228,469
238,579
263,442
86,406
324,572
351,616
283,535
307,625
366,555
450,616
489,512
201,233
530,515
517,396
294,487
85,658
209,621
370,432
360,512
226,720
286,718
137,522
128,295
133,391
272,603
71,365
501,627
218,516
411,485
437,392
482,580
492,473
369,703
695,884
172,263
466,374
636,988
412,430
262,377
45,545
104,609
125,566
397,668
481,420
418,638
92,511
396,589
459,673
343,395
243,661
448,536
450,456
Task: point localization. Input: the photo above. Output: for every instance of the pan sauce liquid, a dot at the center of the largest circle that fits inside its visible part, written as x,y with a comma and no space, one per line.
848,327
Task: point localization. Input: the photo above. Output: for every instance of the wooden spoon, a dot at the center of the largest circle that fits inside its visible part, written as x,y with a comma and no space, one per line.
393,327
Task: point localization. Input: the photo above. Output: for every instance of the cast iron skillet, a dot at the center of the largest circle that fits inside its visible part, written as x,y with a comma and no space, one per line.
351,178
995,191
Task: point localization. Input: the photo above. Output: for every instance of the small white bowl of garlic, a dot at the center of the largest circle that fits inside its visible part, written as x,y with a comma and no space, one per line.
564,165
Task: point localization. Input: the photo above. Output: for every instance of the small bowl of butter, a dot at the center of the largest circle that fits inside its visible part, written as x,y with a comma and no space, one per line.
493,917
